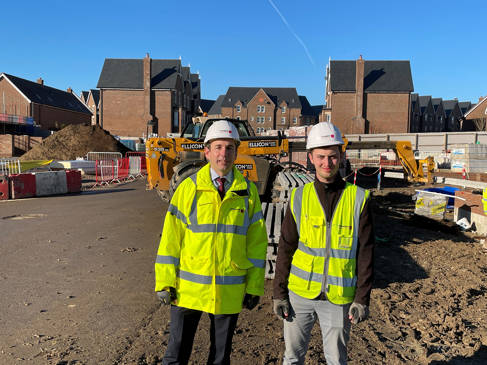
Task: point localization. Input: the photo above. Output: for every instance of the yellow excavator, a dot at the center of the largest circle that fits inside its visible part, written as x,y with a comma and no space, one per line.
171,160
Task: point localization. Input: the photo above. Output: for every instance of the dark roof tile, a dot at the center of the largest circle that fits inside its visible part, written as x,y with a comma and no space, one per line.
379,76
46,95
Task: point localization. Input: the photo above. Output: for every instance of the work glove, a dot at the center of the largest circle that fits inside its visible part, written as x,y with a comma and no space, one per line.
281,308
358,312
167,296
250,301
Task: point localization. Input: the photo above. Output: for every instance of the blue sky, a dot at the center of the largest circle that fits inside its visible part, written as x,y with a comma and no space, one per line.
270,43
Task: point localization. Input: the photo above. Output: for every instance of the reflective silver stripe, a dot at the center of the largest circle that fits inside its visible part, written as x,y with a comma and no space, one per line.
193,177
195,278
258,263
341,254
257,217
305,275
167,260
311,251
321,252
229,280
205,279
175,211
343,282
297,203
218,228
359,199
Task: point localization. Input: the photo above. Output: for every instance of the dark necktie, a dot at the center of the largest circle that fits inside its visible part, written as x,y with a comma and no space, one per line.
221,186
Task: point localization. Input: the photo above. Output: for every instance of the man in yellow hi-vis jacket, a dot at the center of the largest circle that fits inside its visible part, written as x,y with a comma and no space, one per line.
324,265
211,257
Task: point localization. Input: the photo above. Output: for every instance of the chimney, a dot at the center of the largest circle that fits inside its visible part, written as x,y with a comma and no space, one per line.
40,81
147,90
358,122
69,90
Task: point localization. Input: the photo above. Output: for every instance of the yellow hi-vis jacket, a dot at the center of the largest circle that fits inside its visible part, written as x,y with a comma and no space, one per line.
325,260
212,251
484,200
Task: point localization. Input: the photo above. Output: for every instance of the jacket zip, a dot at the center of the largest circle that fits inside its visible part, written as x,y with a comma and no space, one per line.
324,282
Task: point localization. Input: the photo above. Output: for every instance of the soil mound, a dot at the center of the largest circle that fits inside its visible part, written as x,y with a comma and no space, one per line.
74,141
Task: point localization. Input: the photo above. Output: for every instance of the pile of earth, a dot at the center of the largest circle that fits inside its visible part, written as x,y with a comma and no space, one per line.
74,141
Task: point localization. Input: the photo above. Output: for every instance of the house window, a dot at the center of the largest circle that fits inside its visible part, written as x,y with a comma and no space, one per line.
283,109
328,117
238,108
283,120
269,119
238,117
295,120
251,119
258,109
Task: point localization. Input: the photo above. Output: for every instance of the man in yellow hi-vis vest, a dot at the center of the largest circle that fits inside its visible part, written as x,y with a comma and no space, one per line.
324,267
484,200
212,253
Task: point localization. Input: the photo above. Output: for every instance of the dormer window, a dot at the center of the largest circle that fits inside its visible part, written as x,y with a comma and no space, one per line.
237,108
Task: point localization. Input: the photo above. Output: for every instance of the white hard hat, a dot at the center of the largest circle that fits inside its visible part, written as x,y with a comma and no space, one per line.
222,129
324,134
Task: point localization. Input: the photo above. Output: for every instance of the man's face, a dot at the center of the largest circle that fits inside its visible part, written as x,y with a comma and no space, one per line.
326,161
221,153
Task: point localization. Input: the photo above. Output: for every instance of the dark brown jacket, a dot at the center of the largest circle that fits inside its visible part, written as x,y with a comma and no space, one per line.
329,194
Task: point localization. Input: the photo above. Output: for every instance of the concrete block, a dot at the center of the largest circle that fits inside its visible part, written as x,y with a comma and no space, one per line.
51,183
22,186
4,188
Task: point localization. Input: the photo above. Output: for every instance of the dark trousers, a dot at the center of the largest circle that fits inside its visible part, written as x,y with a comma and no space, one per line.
182,330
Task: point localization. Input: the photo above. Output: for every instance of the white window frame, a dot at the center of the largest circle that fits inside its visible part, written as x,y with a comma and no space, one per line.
283,120
269,119
295,120
283,109
237,108
251,118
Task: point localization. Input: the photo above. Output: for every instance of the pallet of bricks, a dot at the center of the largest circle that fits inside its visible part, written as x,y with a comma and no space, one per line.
469,158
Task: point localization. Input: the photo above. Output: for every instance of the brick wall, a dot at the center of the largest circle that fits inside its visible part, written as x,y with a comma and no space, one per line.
15,103
49,117
387,113
6,148
342,110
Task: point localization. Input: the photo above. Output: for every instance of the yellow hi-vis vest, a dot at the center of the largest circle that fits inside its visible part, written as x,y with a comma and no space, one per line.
484,200
325,260
213,251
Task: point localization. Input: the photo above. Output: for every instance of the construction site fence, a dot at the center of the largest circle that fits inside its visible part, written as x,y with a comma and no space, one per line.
16,119
117,171
103,156
10,166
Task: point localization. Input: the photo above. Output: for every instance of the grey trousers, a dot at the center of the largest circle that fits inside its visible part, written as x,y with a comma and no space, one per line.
335,329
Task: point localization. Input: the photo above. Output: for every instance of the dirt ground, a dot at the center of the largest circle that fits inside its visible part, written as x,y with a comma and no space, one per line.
77,284
74,141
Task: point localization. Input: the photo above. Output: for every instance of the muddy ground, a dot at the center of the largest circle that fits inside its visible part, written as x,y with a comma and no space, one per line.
77,279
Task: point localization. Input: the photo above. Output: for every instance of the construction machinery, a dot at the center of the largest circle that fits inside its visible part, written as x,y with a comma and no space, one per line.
171,160
419,171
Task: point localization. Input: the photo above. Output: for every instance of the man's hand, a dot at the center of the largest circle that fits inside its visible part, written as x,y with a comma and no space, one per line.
358,312
166,296
281,308
250,301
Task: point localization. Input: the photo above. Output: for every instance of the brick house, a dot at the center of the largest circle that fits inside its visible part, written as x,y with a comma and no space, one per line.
49,108
267,108
415,117
141,96
476,117
92,101
453,115
215,110
465,106
427,113
369,96
84,96
439,116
